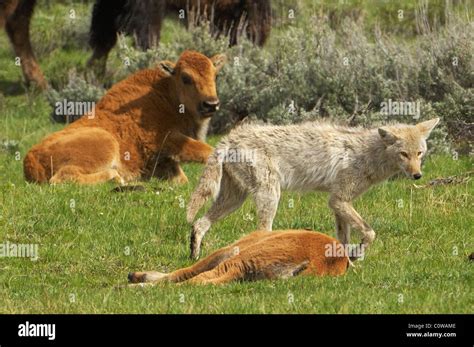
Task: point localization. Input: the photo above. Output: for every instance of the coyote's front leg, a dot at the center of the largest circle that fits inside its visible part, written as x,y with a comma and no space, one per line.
346,217
343,230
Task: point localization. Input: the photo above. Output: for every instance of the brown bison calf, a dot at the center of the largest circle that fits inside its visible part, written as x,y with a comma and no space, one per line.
143,127
261,255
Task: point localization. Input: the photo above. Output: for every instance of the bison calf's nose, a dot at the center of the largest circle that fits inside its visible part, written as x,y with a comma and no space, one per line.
417,176
210,106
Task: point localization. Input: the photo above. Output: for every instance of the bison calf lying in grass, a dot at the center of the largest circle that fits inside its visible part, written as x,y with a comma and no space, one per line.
260,255
143,127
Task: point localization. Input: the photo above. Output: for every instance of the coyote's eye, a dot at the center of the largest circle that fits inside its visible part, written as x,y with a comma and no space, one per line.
404,154
420,153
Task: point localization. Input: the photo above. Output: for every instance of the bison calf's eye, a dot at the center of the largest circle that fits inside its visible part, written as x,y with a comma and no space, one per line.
187,79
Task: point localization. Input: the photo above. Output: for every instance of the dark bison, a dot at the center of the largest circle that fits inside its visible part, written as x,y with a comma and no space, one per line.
143,18
15,16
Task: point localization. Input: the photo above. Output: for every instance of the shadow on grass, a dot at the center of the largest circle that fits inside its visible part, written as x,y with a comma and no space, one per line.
12,88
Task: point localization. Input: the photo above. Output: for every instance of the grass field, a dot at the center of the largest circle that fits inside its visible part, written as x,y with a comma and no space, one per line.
89,238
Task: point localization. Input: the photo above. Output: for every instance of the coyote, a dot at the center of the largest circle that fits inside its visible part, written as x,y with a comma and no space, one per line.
311,156
260,255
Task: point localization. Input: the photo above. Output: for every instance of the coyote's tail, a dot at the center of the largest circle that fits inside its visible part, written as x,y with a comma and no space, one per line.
209,185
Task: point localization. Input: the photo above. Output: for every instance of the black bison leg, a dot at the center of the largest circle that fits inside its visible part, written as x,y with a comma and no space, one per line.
103,32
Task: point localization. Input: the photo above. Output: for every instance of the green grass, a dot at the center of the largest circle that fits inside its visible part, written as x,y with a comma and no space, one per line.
418,264
86,250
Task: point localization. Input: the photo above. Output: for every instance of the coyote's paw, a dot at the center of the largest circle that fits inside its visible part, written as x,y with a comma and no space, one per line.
368,237
197,234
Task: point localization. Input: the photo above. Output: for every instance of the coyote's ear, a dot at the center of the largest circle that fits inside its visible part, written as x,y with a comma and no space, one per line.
426,127
167,67
388,137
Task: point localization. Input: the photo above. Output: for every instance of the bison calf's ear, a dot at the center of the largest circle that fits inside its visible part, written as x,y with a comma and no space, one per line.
167,67
219,60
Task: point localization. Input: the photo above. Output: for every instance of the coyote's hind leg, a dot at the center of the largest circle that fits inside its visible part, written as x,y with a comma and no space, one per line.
229,199
266,193
266,200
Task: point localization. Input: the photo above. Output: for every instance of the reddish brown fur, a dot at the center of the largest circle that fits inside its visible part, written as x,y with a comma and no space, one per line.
15,16
138,119
260,255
